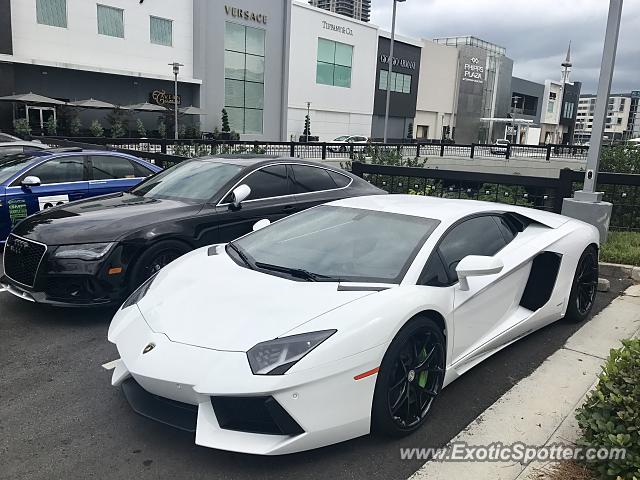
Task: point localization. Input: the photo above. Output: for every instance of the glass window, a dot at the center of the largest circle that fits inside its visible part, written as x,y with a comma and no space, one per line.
434,273
161,31
194,180
52,12
477,236
311,179
340,180
60,170
400,82
551,106
244,77
334,63
384,76
10,150
110,21
106,167
268,182
348,244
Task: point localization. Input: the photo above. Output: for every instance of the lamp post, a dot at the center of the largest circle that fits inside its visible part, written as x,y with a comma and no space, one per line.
176,69
587,204
308,119
393,35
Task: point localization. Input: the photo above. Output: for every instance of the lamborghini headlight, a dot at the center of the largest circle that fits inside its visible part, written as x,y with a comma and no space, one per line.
277,356
139,293
87,251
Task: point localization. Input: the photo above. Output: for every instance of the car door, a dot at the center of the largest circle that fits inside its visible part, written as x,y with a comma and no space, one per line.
110,173
316,185
481,312
62,179
271,198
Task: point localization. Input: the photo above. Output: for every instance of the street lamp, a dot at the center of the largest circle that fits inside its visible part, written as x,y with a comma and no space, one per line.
308,119
587,204
176,69
393,35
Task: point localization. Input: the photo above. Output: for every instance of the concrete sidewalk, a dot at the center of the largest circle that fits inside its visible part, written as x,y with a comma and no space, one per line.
539,410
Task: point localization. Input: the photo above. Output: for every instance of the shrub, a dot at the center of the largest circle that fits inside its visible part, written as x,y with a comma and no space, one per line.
162,129
142,131
117,129
620,159
22,127
75,126
96,129
225,121
610,417
51,126
182,130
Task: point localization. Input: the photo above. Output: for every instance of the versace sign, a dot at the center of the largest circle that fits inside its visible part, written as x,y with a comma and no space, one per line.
245,14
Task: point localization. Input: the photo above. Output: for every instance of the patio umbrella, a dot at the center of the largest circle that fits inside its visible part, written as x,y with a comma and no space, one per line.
145,107
192,111
92,103
31,98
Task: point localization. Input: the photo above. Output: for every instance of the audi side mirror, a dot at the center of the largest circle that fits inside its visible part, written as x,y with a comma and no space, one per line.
260,224
240,194
477,266
31,181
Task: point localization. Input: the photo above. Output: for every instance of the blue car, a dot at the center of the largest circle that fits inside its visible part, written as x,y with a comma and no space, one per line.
38,180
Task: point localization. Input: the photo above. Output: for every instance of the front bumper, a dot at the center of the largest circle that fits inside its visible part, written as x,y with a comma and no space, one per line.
73,283
326,403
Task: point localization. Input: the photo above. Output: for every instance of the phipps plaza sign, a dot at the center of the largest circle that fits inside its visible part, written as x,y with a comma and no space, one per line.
473,71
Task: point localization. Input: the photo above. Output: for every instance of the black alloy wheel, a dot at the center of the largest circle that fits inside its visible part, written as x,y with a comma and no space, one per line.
154,259
585,286
410,378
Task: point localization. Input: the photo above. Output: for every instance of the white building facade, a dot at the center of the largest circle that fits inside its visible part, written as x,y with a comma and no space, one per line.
622,121
332,73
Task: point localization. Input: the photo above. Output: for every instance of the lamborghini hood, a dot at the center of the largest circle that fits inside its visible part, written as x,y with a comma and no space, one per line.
210,301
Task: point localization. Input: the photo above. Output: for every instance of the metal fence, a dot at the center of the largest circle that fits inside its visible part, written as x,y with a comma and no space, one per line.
622,190
336,151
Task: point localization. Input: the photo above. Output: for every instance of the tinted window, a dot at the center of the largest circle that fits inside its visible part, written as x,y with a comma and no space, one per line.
508,231
190,180
60,170
106,167
477,236
140,170
13,164
268,182
339,179
311,179
434,273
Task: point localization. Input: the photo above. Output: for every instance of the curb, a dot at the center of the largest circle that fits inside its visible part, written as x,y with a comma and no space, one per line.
534,416
620,271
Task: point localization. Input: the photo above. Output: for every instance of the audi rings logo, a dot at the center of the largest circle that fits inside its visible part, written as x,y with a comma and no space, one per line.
17,246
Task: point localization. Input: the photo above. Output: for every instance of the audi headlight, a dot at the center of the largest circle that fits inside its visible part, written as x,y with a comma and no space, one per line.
139,293
277,356
87,251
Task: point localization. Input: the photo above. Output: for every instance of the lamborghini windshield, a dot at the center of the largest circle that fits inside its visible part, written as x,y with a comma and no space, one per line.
330,243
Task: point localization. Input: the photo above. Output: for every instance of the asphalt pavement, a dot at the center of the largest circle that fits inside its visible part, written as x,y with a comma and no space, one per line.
60,417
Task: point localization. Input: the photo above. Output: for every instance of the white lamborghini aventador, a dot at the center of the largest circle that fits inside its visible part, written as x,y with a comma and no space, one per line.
343,319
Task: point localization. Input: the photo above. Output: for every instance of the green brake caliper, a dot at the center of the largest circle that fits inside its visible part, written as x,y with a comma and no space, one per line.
424,375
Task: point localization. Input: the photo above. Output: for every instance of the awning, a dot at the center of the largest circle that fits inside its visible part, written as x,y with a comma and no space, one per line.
92,103
32,98
145,107
191,110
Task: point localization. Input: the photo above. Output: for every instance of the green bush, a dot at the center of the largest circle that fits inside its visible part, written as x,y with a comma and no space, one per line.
142,131
51,126
75,126
117,129
610,417
620,159
96,129
22,127
162,129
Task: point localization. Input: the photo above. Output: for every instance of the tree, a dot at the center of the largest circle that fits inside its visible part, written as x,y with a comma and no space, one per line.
162,129
225,121
620,159
22,127
307,126
96,129
51,126
142,131
75,126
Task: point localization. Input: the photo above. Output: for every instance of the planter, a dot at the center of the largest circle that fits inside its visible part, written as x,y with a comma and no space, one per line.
303,139
226,136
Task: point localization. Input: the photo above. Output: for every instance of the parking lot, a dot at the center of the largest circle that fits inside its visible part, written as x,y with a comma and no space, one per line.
60,417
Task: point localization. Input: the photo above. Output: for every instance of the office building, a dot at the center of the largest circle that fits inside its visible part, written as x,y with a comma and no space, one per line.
622,121
358,9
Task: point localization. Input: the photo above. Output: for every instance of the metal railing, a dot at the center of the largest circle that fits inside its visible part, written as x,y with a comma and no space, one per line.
336,151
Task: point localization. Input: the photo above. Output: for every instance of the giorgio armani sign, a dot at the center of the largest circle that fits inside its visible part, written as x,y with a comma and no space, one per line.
399,62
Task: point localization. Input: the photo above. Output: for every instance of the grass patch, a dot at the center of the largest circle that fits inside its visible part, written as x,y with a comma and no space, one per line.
621,247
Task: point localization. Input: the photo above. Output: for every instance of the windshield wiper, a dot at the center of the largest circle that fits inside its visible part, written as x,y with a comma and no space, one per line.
295,272
241,254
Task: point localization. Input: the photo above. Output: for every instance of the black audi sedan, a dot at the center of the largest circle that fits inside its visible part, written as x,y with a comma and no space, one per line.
95,252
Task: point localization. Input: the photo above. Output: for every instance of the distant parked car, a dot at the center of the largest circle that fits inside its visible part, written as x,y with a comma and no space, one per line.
347,139
38,180
500,147
20,146
5,137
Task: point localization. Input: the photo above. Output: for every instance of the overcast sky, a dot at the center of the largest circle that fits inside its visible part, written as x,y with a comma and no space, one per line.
534,32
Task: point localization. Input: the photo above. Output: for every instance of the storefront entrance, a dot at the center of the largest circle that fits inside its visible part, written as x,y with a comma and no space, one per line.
39,116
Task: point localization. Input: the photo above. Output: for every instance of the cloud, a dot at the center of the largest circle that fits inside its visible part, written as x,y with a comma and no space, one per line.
535,33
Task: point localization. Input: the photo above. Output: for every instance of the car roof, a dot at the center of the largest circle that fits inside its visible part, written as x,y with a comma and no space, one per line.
23,143
447,210
259,160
